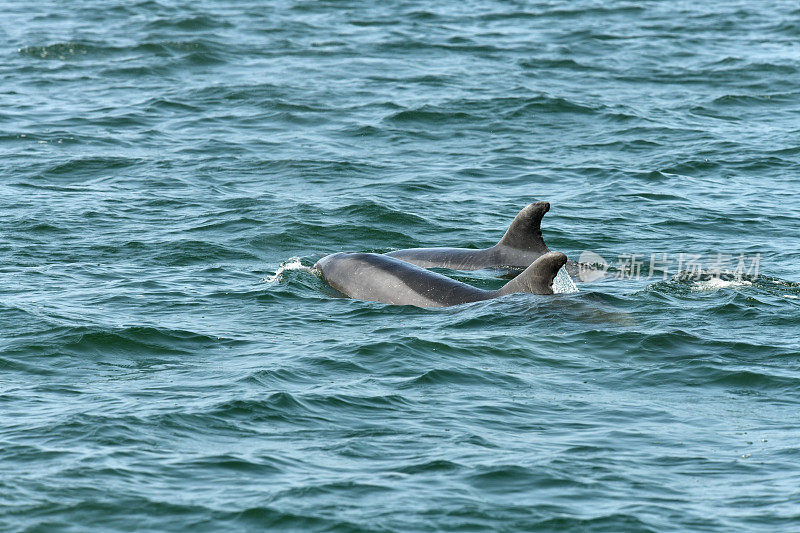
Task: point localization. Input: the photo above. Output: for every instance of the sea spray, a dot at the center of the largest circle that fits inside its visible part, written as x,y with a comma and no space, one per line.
293,263
562,283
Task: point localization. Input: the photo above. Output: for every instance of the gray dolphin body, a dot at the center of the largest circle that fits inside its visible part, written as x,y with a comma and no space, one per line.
389,280
521,245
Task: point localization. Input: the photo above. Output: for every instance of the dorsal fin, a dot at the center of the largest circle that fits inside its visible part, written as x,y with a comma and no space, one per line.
525,231
537,278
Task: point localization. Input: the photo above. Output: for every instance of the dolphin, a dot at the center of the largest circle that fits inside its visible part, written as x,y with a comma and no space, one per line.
521,245
380,278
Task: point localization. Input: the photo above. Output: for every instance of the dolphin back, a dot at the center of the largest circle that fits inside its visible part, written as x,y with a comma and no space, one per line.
520,246
379,278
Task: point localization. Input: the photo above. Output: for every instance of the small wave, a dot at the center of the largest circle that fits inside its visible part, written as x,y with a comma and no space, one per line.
138,339
426,114
714,284
752,99
456,376
235,463
185,252
137,345
277,406
58,50
85,167
554,63
291,264
561,13
655,197
709,281
551,104
377,212
194,23
74,50
435,465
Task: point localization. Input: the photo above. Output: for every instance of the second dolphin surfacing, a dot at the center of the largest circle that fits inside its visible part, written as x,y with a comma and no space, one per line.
521,245
380,278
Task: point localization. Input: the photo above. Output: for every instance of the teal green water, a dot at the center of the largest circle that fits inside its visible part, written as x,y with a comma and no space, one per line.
166,366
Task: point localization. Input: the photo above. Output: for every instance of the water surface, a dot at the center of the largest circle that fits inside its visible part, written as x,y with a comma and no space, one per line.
160,161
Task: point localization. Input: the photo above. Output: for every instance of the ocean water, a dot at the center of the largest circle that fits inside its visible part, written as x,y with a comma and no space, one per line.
169,170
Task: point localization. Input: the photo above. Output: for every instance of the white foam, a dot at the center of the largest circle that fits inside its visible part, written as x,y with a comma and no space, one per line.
714,284
562,283
293,263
